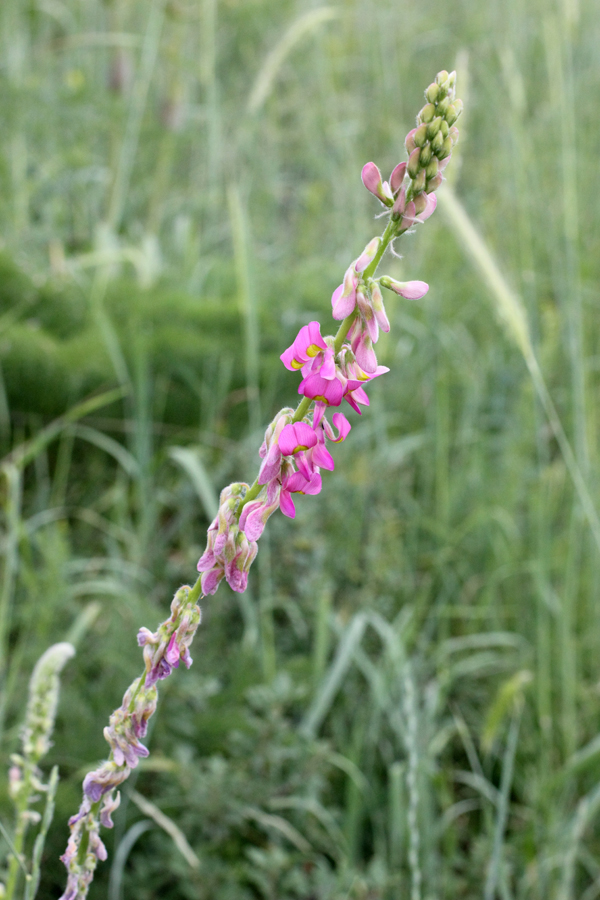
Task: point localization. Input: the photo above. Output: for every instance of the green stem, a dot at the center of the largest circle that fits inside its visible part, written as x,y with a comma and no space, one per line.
17,862
343,331
388,235
85,838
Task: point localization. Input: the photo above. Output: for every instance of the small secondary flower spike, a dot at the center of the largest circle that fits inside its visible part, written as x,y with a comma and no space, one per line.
334,368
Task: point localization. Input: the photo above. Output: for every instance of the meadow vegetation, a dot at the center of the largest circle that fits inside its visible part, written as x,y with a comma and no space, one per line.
405,703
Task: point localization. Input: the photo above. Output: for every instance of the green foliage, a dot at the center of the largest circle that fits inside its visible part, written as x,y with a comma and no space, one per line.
400,750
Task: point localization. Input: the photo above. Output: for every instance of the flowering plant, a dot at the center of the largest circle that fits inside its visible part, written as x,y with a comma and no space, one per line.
334,368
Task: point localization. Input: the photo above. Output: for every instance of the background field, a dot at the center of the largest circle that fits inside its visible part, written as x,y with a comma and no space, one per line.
406,701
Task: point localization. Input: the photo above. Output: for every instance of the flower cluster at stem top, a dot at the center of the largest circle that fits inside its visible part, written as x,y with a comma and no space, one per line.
334,368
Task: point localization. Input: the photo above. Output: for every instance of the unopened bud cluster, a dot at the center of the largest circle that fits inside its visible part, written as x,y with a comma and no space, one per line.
430,144
410,192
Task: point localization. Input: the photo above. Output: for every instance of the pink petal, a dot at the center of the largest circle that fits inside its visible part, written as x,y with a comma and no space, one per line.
314,485
371,178
211,580
287,504
397,177
323,458
365,355
343,426
343,304
367,255
379,308
317,388
298,436
430,208
248,508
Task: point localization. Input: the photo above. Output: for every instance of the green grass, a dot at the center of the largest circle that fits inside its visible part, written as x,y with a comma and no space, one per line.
405,703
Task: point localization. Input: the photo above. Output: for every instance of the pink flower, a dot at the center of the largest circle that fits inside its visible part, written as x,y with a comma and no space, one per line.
306,346
296,437
297,484
327,391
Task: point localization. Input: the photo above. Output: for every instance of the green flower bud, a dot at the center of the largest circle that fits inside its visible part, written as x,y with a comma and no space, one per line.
427,113
420,201
443,105
452,79
434,184
420,181
454,111
445,150
437,142
441,79
444,129
420,135
432,93
426,154
434,127
432,169
414,163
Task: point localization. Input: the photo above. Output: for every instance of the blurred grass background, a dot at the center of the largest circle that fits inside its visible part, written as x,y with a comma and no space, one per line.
406,701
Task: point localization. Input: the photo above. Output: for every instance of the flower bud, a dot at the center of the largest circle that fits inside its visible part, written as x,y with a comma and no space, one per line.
434,127
409,142
427,113
432,92
453,135
454,111
413,162
437,143
399,203
397,177
434,183
420,203
419,182
420,135
444,129
443,106
426,154
441,79
445,150
432,168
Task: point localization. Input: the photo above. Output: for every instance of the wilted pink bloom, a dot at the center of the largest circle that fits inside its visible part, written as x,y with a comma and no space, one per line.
272,460
211,578
255,514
